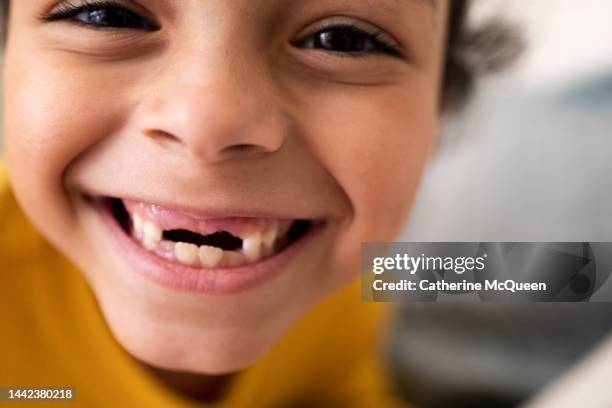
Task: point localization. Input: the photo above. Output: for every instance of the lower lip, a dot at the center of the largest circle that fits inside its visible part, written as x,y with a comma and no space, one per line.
223,281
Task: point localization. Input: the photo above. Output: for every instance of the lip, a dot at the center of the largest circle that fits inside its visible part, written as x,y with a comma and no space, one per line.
171,219
216,281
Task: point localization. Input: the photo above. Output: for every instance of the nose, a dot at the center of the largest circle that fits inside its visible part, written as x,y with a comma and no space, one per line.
213,113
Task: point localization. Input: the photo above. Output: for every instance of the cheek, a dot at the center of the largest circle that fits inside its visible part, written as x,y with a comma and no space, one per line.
376,146
381,167
52,116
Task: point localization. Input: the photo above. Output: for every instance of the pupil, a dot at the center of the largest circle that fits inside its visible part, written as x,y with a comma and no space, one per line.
112,18
341,40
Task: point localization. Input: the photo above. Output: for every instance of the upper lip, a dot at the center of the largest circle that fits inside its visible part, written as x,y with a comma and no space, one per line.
171,219
228,211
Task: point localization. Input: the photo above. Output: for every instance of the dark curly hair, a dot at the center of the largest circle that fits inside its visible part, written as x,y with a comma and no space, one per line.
487,46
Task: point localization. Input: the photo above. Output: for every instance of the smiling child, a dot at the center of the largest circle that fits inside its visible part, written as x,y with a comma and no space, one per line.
203,173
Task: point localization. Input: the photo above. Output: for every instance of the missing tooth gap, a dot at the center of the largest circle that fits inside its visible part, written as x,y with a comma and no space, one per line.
223,240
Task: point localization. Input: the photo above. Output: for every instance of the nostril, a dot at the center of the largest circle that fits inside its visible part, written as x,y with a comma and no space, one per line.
161,135
243,148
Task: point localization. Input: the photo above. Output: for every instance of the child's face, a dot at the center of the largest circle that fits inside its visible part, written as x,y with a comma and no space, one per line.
212,116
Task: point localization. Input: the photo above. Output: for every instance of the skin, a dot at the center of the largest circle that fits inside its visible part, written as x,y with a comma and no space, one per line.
218,109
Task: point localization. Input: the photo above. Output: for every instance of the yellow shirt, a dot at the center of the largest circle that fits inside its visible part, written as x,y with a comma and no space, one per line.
53,334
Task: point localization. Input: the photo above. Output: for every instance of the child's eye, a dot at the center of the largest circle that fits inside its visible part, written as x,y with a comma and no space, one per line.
348,40
102,15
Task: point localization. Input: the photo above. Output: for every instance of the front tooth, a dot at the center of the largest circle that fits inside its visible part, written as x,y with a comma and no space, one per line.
251,247
152,235
210,256
269,237
186,253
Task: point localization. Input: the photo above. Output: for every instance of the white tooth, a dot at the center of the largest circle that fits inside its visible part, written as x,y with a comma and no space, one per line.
152,235
251,247
138,223
167,245
186,253
269,237
210,256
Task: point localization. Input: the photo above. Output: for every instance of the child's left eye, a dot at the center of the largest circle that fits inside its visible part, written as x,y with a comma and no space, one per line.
105,15
348,40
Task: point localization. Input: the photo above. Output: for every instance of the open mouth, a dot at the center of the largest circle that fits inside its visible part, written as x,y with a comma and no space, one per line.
205,243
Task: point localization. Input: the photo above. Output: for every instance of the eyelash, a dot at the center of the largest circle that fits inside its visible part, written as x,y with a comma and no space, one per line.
67,11
377,45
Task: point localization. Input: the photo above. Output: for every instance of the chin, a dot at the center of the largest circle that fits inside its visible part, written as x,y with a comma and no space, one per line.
212,348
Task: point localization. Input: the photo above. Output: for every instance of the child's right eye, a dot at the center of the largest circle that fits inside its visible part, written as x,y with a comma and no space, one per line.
101,15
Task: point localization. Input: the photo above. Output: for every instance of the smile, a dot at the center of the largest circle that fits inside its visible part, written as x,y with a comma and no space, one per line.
195,252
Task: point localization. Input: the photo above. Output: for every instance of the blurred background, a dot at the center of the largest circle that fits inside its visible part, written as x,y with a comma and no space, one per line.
528,159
